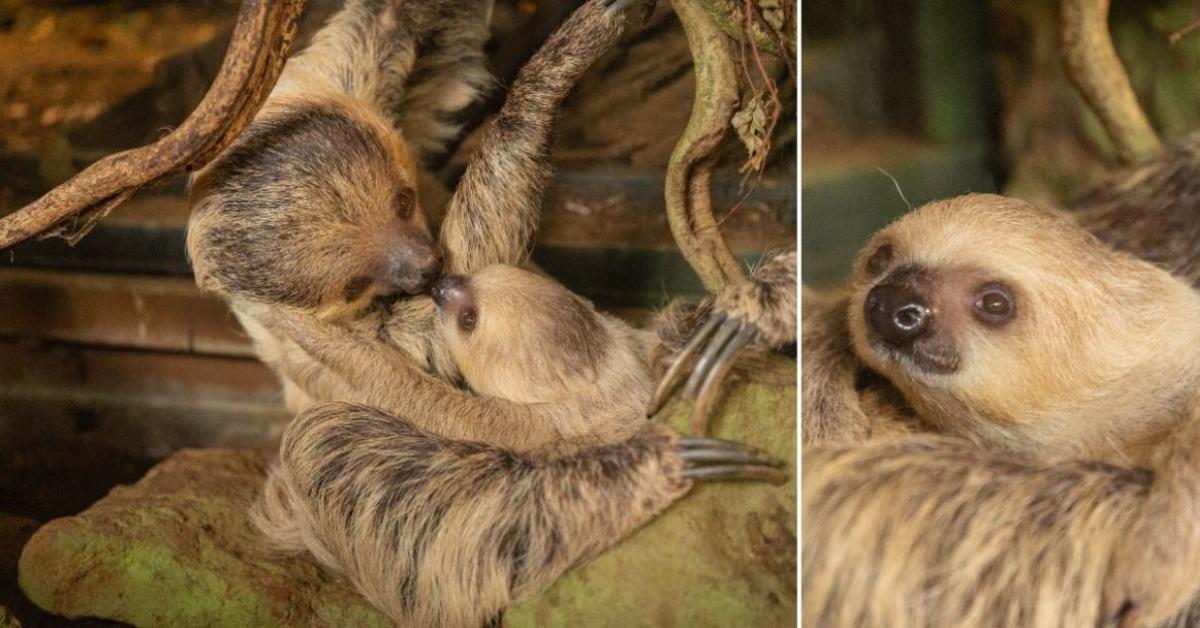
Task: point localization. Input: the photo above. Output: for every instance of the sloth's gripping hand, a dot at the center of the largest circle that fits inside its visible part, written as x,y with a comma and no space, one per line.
440,532
760,310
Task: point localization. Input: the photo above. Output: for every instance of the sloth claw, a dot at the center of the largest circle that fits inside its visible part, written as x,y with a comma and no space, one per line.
717,342
710,459
675,373
613,7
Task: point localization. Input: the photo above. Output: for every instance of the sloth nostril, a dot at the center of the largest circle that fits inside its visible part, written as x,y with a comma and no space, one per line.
910,317
896,313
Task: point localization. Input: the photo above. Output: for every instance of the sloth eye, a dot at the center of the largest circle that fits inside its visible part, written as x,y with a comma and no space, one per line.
879,260
403,201
467,319
995,304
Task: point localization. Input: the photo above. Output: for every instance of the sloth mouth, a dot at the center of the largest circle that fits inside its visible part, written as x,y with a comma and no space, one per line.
924,355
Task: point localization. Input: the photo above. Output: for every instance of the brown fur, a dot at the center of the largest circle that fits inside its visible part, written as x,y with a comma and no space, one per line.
1098,364
767,299
397,509
439,532
440,504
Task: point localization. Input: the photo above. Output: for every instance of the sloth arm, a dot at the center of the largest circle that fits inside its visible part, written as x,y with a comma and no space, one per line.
1155,568
398,511
929,530
494,210
332,362
1150,209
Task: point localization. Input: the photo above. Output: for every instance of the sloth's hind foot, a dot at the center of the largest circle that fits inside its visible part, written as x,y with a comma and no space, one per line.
711,459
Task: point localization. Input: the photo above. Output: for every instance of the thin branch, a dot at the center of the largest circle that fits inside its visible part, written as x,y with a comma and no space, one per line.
1094,67
1183,32
689,170
262,39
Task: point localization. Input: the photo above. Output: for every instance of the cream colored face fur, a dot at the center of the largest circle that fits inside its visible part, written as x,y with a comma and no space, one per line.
1098,353
521,336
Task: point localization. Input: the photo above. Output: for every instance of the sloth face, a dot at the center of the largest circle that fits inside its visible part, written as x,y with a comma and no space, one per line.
998,319
521,336
314,206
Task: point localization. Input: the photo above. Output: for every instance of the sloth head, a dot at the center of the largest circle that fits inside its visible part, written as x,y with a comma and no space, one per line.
1004,322
315,207
523,337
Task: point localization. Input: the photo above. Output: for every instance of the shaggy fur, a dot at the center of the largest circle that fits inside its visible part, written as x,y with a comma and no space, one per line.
767,299
1099,363
440,504
391,508
396,509
314,209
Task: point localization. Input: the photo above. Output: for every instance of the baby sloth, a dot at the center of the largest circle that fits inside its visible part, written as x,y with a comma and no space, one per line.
1016,329
1013,326
523,337
375,498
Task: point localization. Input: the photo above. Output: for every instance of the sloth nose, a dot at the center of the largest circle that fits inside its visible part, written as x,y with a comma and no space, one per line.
450,290
897,313
411,261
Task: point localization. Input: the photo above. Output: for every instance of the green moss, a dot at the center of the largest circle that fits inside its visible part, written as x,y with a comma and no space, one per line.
725,555
177,548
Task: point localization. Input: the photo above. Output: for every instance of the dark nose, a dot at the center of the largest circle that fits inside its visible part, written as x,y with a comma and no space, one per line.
412,261
897,313
450,290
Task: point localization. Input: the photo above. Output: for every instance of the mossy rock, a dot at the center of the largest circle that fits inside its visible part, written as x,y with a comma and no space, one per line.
725,555
178,549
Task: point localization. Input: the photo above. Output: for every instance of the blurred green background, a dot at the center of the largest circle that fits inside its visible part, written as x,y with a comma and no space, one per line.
957,96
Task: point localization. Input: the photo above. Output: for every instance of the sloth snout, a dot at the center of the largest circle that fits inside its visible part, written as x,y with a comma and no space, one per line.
411,261
897,313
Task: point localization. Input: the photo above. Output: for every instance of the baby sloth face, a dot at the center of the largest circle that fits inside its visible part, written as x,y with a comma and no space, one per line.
1005,322
521,336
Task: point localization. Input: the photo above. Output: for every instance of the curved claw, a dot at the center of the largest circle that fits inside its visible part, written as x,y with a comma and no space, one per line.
710,459
675,373
614,7
711,353
717,371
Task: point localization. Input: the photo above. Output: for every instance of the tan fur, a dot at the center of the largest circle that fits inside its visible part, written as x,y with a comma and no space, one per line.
537,342
930,531
1103,355
441,505
1100,363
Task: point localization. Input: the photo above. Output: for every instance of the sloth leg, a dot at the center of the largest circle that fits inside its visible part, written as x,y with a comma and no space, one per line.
444,532
761,309
494,211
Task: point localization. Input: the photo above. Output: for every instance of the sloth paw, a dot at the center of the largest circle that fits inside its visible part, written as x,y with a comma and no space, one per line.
712,459
761,310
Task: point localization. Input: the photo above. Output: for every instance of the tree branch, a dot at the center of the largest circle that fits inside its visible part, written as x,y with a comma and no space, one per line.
262,39
1094,67
689,171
